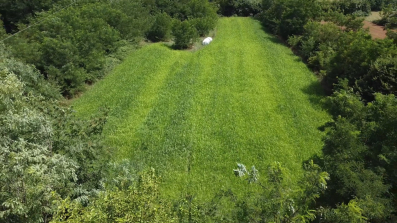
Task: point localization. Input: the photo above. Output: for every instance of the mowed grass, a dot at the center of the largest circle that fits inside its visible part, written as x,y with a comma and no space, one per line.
193,115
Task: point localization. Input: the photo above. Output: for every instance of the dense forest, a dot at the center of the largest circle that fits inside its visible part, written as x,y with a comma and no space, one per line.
55,167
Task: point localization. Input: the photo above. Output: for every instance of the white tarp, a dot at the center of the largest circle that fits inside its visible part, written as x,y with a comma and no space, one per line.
207,41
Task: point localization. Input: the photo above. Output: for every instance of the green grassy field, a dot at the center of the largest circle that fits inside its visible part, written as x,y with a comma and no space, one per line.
193,115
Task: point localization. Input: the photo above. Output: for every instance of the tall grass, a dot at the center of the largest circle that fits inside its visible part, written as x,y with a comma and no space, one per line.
193,115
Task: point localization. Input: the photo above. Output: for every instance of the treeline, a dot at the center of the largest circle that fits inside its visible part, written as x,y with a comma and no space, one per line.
239,7
77,42
45,152
20,11
347,7
360,76
277,200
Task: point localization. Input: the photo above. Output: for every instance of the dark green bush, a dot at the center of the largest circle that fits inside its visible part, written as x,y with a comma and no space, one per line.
317,44
185,34
354,7
18,11
45,151
359,150
288,17
391,34
337,53
377,5
239,7
203,25
69,46
355,53
203,16
381,77
161,28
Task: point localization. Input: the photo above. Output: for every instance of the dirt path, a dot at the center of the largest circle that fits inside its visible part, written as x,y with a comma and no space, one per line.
377,32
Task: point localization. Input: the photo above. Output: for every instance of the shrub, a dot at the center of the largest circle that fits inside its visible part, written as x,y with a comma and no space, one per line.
160,29
70,46
139,202
239,7
18,11
203,25
359,152
184,33
355,7
203,16
381,77
391,34
288,17
45,152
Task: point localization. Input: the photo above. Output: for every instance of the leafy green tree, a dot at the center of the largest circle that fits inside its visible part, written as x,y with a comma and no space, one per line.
30,171
381,77
45,152
355,7
280,200
200,13
203,16
203,25
17,11
131,18
139,202
70,45
239,7
354,60
355,56
344,213
337,53
288,17
161,28
346,22
317,45
359,145
178,9
33,82
185,34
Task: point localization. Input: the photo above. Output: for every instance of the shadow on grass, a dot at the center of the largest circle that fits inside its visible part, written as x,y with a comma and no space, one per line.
195,47
272,37
315,92
278,40
169,46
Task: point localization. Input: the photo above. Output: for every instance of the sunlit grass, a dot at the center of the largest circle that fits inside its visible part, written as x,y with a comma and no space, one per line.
375,15
193,115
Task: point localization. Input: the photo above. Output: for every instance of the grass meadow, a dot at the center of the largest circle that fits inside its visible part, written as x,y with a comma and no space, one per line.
193,115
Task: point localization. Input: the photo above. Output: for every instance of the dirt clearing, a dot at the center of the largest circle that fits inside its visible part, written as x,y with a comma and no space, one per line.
377,32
